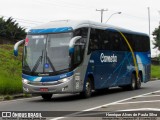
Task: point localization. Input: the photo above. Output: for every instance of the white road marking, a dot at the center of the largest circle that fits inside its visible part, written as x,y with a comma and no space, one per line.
105,105
137,102
151,96
141,109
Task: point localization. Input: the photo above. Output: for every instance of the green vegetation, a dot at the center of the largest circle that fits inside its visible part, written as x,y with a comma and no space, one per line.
8,97
11,30
156,34
10,71
155,71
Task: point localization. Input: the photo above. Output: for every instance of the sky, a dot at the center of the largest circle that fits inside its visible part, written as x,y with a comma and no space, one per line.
134,13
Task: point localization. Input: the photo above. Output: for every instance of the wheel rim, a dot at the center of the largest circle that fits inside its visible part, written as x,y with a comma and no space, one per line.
88,88
139,82
133,83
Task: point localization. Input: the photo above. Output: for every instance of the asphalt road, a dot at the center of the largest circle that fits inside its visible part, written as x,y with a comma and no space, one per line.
69,102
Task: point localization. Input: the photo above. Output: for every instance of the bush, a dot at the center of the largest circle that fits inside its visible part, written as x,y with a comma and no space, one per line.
10,71
155,71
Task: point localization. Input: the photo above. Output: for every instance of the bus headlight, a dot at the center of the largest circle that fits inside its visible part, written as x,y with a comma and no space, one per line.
65,79
25,81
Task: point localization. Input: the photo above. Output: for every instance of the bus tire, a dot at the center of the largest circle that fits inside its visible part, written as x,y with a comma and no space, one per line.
138,81
46,96
88,89
132,86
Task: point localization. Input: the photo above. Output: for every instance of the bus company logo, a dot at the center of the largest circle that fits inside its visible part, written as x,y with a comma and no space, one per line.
109,59
6,114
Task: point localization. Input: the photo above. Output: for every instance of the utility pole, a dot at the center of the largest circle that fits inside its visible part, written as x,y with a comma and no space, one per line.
159,14
149,20
102,10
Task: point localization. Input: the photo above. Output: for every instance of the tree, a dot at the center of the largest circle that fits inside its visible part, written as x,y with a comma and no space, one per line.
2,27
156,34
11,30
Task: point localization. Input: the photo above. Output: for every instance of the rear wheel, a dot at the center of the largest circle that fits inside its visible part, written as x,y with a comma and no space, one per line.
88,89
46,96
138,81
132,86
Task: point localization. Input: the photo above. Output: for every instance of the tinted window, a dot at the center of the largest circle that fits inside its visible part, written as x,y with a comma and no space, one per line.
81,32
79,47
105,41
113,40
117,41
142,43
94,39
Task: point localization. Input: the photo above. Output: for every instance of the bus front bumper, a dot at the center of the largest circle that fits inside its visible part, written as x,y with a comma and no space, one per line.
60,86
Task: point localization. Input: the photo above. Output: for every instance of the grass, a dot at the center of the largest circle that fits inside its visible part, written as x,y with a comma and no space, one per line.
10,71
155,71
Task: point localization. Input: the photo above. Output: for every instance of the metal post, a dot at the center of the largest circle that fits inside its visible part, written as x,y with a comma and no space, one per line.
102,10
149,20
159,14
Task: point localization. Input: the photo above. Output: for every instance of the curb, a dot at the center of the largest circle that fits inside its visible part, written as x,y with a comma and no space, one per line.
152,79
16,96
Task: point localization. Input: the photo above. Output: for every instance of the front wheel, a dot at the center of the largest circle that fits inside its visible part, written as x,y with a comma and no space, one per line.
88,89
46,96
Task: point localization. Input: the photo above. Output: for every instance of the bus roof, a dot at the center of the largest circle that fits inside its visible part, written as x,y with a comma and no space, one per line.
68,25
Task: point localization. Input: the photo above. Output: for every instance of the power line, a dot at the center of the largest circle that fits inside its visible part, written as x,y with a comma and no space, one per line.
102,10
31,21
64,4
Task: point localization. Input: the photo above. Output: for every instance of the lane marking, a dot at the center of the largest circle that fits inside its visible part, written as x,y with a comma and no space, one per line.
142,109
137,102
105,105
151,96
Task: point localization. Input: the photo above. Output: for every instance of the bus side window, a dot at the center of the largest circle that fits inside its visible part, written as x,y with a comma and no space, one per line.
83,32
115,41
105,43
123,44
93,41
79,49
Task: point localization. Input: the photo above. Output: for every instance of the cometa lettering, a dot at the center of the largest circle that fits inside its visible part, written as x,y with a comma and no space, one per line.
111,58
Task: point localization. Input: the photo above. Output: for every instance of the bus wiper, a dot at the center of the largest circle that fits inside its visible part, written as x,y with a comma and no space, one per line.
38,62
42,56
26,67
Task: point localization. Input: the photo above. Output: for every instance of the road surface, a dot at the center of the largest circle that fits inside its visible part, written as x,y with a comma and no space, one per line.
67,102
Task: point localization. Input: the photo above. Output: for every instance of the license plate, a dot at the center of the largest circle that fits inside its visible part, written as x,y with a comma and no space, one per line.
44,89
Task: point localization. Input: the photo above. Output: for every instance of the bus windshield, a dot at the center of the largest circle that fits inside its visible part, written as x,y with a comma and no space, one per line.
46,53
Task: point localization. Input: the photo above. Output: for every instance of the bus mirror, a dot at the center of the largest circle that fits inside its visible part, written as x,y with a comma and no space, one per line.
72,43
16,47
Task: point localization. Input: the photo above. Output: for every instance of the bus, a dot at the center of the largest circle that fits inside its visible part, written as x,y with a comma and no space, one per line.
71,56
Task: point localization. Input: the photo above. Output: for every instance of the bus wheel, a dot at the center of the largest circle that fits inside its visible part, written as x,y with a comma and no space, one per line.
46,96
88,89
133,82
138,82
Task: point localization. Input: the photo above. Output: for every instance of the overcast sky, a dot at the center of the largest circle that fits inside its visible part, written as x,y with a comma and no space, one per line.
134,16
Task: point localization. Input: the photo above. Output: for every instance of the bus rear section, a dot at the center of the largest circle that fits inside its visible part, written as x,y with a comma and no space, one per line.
118,57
